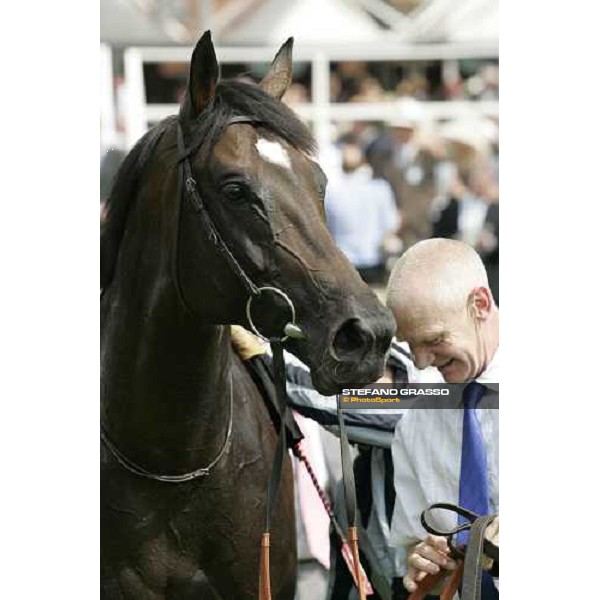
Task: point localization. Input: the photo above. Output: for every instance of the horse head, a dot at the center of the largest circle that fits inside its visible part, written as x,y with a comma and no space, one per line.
263,190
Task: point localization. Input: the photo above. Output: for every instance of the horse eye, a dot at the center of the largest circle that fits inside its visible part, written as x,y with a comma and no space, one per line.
235,191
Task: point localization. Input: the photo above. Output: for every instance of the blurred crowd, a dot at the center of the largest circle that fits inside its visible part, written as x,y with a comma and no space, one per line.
393,185
372,82
354,81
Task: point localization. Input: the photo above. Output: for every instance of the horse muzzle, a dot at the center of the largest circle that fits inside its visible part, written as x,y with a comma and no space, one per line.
355,353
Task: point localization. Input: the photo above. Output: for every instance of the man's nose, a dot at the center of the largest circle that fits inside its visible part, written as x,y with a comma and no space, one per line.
422,358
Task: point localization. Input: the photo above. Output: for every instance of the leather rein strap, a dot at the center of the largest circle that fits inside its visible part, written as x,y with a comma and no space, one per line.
264,576
471,587
470,561
350,497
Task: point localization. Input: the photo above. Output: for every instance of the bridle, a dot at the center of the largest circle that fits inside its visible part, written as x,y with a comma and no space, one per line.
188,188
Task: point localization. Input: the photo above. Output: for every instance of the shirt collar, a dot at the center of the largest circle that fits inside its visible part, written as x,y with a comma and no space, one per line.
491,375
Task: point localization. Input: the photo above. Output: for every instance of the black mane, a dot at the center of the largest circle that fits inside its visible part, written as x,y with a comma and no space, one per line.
232,98
121,197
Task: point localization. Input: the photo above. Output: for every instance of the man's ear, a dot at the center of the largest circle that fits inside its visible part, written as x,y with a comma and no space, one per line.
203,76
279,77
481,303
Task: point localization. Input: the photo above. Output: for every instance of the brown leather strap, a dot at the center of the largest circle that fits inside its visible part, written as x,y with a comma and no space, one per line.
453,582
471,587
431,581
264,578
427,584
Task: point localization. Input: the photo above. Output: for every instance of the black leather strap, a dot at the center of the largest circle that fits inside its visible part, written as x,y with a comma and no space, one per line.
189,189
471,586
281,448
347,471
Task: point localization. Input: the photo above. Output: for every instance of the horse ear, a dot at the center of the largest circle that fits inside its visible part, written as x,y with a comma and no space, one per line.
279,77
204,74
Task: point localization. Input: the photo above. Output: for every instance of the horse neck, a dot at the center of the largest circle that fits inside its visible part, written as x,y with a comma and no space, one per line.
165,377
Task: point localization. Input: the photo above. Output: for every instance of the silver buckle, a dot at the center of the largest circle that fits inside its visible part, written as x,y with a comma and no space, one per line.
190,184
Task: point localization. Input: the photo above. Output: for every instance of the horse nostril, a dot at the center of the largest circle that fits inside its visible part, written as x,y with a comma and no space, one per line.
352,341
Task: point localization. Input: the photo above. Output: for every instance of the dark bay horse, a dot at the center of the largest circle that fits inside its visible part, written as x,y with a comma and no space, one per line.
175,398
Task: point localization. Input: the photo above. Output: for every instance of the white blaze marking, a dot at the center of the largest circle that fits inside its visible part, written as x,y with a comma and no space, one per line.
273,152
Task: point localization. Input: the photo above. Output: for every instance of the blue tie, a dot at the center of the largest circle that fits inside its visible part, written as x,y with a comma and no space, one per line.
473,490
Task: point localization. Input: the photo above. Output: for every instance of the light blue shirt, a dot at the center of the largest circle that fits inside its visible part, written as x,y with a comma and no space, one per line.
360,212
426,451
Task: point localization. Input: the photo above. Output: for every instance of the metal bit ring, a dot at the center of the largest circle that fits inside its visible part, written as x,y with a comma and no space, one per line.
290,328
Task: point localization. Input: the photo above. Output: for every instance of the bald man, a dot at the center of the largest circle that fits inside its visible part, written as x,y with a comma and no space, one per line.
445,311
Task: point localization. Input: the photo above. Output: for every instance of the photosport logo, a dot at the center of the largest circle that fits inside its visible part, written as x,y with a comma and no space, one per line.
410,395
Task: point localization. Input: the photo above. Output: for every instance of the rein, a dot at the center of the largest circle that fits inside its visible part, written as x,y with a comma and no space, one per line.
350,497
469,559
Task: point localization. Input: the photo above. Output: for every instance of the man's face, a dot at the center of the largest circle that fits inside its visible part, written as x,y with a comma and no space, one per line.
446,339
404,134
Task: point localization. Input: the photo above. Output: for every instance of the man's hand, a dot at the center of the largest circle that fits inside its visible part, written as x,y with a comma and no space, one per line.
492,534
428,556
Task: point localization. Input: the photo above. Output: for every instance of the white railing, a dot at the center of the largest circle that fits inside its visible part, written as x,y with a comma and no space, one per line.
108,117
321,111
368,111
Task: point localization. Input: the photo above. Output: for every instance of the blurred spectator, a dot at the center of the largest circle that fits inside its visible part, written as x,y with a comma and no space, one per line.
335,87
484,84
361,213
296,94
488,241
399,156
488,246
369,90
462,214
164,82
349,75
415,85
469,212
